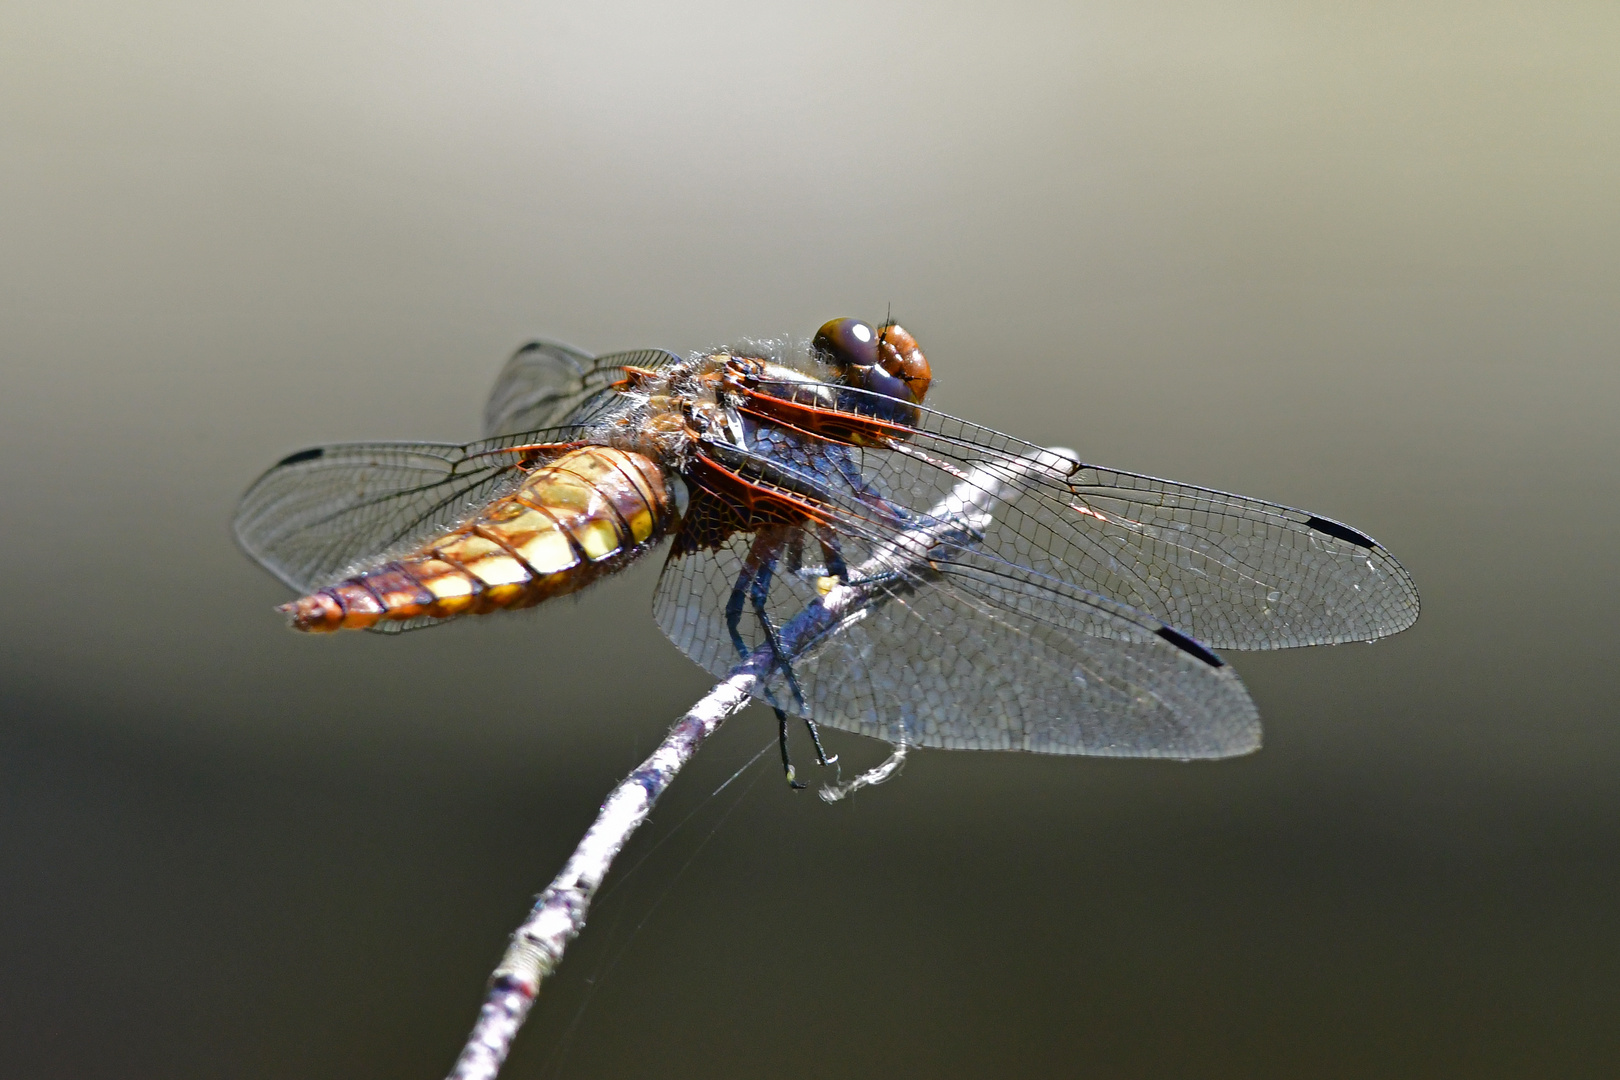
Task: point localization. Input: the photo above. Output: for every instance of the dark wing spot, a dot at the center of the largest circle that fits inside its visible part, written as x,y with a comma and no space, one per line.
1188,645
302,455
1339,532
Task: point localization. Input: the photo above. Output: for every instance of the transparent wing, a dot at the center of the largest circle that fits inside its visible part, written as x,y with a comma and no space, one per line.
973,655
319,514
546,384
958,648
1232,571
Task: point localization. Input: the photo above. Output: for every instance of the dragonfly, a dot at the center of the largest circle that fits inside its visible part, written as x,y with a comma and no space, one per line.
1058,607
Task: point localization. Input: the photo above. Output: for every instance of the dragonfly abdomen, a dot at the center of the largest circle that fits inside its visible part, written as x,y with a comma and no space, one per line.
585,514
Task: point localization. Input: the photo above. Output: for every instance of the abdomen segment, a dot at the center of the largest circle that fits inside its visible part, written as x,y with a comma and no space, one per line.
588,513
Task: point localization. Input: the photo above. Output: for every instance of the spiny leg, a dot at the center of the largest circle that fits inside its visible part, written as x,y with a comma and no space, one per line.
815,740
832,555
734,609
759,592
782,741
761,553
755,582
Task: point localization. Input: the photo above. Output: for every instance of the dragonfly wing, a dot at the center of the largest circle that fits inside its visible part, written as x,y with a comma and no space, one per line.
1239,572
1232,571
962,650
546,384
320,514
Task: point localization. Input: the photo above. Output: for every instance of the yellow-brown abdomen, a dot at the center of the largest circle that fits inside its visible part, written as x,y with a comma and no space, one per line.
583,515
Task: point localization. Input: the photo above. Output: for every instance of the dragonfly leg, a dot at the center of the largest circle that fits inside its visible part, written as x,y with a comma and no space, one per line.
815,738
832,553
758,592
734,608
761,555
782,741
754,587
754,583
822,757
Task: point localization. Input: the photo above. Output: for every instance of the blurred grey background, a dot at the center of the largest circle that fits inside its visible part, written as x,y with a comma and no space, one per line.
1359,258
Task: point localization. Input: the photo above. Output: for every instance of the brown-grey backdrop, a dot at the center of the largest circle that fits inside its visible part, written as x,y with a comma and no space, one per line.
1361,258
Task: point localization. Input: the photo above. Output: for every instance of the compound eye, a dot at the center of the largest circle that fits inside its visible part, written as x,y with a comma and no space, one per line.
847,343
900,355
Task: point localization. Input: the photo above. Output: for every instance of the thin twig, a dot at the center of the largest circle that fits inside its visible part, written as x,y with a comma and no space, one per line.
559,913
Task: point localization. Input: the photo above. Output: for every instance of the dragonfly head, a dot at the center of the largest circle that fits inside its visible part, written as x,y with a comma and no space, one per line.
886,361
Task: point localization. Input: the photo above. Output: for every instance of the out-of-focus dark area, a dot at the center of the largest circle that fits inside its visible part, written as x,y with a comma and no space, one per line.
1358,258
